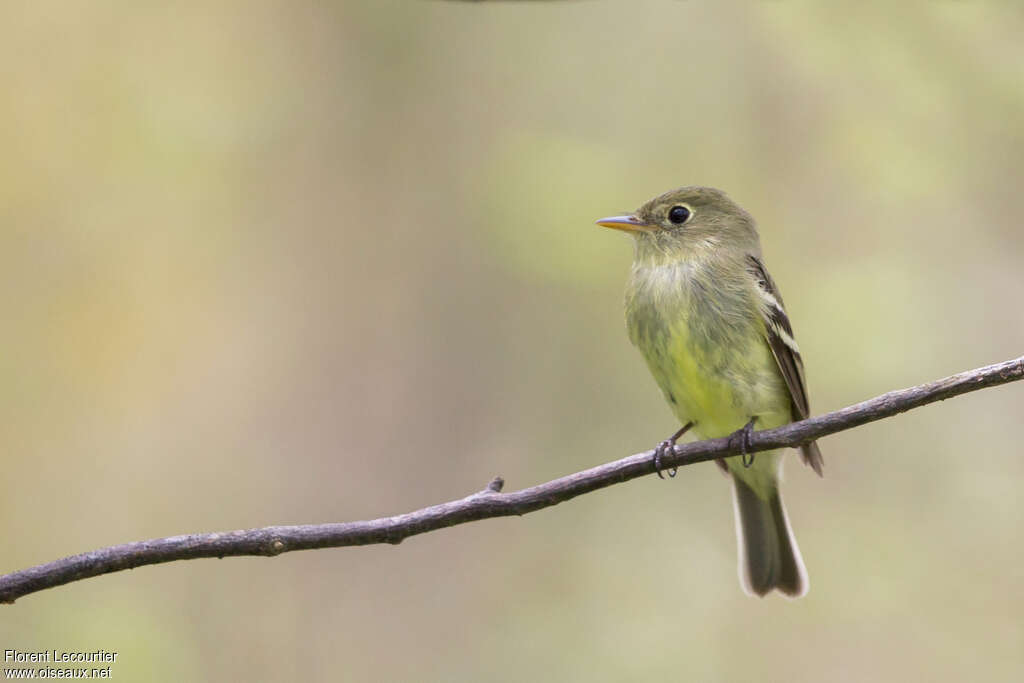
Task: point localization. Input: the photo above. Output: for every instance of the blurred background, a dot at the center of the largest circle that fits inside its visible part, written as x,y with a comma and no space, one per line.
270,263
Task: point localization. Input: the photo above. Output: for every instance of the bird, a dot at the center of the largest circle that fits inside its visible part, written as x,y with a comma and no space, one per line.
711,325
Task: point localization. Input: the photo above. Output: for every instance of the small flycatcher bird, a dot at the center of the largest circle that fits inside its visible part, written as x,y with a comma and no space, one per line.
709,321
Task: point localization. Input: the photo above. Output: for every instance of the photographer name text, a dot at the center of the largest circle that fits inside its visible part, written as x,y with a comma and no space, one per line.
58,656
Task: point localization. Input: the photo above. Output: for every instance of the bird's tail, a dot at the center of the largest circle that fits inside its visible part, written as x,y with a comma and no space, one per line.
769,556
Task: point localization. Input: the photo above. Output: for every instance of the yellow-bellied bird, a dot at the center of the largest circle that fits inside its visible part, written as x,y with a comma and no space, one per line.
710,323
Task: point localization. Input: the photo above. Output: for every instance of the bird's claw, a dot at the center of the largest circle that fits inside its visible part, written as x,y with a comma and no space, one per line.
662,450
659,454
743,433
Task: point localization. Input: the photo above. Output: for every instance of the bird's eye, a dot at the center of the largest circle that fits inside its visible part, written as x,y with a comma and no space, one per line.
679,214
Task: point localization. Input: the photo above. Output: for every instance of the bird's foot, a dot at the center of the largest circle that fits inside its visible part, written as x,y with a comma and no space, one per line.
743,434
664,447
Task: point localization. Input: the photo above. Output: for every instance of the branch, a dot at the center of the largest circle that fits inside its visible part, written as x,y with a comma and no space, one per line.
271,541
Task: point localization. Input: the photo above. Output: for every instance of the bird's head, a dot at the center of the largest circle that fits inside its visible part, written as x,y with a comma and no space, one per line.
688,222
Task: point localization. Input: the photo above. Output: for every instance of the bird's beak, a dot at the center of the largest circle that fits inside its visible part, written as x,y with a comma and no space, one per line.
627,223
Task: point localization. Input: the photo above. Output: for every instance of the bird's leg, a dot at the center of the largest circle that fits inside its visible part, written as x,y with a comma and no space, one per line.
664,447
743,433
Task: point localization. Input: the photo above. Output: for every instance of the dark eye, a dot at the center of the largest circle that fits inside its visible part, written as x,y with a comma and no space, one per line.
679,214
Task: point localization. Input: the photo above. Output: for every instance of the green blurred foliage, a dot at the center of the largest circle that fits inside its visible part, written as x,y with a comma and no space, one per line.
536,175
266,263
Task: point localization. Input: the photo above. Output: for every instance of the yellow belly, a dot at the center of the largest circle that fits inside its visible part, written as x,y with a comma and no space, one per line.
720,388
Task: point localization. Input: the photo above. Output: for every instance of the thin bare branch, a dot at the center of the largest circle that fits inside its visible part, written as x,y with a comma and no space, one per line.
490,502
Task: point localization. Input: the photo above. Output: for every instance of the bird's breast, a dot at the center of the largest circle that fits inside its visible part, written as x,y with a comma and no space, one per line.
702,340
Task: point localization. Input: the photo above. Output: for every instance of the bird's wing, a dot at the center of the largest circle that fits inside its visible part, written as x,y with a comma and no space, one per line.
779,333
